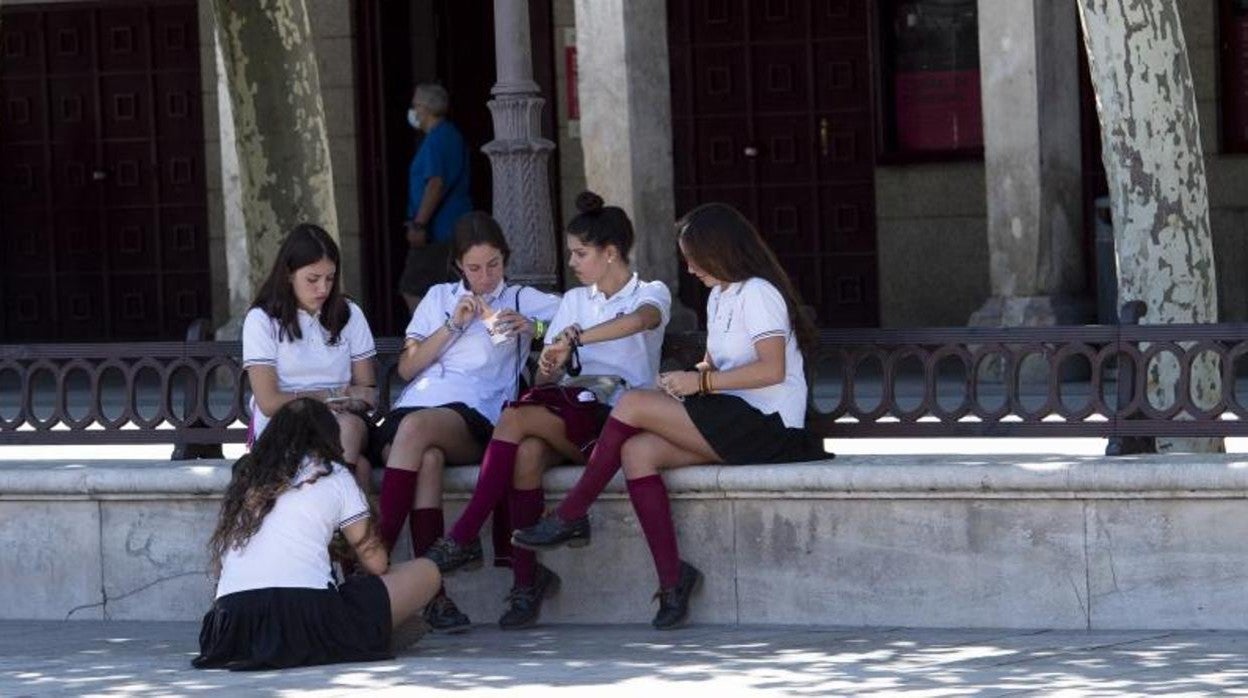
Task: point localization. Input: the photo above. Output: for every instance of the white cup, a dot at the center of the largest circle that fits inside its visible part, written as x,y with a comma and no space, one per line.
491,321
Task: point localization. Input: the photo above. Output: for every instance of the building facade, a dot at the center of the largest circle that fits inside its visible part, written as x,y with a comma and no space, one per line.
894,153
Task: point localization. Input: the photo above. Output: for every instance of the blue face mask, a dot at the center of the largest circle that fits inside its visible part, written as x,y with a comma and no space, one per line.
412,120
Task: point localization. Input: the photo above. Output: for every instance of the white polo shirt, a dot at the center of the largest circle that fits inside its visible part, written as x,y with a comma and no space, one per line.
738,316
634,358
309,363
290,549
472,370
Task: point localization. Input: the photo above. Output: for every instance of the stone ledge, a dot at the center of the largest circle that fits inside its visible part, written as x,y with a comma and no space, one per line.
928,541
851,477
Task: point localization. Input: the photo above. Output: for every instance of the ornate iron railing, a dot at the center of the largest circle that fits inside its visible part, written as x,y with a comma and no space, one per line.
1051,381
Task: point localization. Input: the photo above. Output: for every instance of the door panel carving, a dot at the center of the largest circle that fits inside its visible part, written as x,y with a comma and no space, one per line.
773,116
101,172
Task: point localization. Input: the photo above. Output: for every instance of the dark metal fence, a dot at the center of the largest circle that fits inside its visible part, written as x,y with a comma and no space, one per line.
1050,381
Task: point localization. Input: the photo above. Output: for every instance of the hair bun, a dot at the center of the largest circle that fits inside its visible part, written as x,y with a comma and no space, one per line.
588,202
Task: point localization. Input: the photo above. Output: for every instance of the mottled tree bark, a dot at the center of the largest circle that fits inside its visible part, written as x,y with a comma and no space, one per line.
279,122
1156,171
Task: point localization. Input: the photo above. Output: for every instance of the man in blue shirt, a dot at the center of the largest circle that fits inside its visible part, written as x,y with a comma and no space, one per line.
437,193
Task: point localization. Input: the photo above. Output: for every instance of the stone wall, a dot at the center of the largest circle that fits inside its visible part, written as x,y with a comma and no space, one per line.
924,541
931,223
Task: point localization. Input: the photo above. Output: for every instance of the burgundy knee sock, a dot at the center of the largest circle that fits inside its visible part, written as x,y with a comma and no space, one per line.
654,513
426,526
497,465
602,466
501,530
398,491
526,509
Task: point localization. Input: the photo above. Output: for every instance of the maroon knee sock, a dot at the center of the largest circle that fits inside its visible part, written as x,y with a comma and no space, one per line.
654,513
501,530
426,527
526,509
497,465
602,466
398,491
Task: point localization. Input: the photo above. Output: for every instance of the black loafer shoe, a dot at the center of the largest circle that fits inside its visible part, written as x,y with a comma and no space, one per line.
674,602
443,616
524,604
450,556
552,532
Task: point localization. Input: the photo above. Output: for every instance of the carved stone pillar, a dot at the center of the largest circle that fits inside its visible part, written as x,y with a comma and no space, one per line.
519,156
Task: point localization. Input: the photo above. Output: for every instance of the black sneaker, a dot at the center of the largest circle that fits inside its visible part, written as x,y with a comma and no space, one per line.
552,532
450,556
674,602
524,604
443,616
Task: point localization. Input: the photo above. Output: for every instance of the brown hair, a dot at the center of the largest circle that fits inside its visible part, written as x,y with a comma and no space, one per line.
305,244
302,428
477,228
599,225
719,239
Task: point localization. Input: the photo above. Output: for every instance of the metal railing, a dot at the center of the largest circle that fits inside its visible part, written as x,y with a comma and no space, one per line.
934,382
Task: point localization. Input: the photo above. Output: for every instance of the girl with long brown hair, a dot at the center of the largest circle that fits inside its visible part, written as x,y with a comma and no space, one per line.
276,601
744,403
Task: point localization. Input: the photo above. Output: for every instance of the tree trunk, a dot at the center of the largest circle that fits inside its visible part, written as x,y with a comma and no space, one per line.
279,122
1156,171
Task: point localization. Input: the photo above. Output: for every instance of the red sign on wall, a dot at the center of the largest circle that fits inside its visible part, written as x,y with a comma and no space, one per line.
938,110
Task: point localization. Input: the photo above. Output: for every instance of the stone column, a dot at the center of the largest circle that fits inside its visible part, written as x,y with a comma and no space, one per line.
519,156
626,125
1028,56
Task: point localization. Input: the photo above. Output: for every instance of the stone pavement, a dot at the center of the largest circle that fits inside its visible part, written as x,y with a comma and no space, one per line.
148,659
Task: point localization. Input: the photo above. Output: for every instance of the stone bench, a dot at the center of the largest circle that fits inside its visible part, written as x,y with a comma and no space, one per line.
938,541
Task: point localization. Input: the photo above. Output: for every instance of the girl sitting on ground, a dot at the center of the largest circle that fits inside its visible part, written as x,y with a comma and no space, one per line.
615,322
745,403
276,603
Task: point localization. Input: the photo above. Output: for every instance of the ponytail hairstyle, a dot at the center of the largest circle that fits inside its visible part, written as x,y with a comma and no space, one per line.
305,244
302,429
599,226
721,241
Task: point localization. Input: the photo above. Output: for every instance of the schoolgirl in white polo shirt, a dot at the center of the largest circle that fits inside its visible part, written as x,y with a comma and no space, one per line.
615,322
746,403
466,345
276,603
303,338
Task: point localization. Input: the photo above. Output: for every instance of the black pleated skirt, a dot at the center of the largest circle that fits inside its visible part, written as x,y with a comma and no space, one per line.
742,435
276,628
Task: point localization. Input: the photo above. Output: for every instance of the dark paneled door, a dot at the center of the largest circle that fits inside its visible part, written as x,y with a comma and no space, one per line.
102,201
771,111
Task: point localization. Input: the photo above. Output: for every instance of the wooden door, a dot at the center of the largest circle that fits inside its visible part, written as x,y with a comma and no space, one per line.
771,112
102,200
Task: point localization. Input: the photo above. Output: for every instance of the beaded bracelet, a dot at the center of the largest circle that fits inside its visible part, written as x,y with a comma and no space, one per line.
453,328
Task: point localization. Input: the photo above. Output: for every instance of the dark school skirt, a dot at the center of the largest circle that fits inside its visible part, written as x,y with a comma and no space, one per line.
380,436
742,435
280,627
582,419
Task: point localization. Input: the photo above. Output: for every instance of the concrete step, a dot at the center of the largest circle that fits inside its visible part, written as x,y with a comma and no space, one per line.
1026,541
